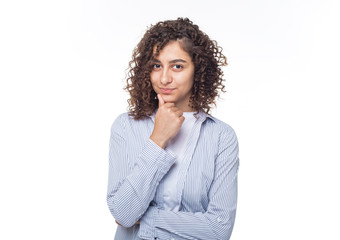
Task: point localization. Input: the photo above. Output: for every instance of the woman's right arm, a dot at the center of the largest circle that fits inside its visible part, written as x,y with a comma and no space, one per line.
131,189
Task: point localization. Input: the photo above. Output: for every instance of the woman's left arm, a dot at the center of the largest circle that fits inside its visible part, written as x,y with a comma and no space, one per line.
218,221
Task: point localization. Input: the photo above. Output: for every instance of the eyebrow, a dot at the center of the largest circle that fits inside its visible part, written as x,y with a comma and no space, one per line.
172,61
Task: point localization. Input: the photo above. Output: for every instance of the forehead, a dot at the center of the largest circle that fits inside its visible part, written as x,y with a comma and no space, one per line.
173,49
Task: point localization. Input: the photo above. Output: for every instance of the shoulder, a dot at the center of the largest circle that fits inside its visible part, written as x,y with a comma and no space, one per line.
120,120
119,124
223,128
227,141
125,121
224,134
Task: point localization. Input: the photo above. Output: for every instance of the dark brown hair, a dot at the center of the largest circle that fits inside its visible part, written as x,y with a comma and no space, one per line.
205,54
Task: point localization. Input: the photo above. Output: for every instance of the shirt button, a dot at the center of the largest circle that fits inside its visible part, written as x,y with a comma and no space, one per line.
172,239
219,220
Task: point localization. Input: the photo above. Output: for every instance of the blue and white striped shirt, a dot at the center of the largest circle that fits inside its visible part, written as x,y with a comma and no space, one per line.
206,187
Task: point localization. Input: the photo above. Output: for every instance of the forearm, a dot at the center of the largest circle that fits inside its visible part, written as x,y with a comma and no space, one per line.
129,199
185,225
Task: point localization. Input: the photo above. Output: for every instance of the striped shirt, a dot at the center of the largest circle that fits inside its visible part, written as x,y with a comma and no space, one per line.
206,186
177,146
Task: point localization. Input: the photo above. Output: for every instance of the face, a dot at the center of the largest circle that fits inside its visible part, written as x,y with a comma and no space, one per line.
172,75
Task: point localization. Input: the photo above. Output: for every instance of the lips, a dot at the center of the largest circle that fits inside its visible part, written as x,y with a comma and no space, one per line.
167,90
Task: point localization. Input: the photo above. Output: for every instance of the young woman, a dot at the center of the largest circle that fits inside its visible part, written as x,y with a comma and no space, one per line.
172,166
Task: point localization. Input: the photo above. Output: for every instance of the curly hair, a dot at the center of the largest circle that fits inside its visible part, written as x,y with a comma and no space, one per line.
206,56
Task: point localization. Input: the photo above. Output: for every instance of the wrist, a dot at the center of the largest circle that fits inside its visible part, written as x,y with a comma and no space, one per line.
161,143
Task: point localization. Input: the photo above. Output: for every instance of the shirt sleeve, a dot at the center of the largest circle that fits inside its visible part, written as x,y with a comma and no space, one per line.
218,220
132,188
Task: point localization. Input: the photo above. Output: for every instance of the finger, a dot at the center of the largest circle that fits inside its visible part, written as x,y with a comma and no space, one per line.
170,104
176,110
171,108
182,118
179,113
160,100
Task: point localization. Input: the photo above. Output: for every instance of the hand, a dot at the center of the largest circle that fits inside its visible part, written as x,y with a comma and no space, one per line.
168,122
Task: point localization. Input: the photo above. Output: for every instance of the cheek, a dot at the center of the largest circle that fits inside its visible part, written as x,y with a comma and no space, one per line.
188,81
153,78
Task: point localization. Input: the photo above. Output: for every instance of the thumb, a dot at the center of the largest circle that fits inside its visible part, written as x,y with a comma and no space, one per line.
160,100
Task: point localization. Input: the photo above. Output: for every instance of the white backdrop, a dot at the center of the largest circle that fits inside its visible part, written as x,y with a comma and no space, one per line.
62,70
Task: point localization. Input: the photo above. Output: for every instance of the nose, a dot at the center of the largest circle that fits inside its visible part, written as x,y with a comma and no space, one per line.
166,77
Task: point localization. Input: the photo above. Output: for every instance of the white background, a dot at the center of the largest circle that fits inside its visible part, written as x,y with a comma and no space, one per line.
62,70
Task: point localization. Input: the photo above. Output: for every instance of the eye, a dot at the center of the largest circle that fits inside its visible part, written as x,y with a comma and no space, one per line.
156,67
177,67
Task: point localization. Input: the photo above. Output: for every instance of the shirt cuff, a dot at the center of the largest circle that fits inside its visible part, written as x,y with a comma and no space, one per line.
147,227
155,156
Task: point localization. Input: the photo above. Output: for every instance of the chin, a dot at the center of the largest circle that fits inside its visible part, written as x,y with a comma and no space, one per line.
168,98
